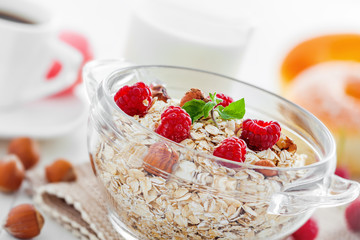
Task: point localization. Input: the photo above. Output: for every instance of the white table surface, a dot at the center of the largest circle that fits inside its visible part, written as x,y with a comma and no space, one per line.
279,23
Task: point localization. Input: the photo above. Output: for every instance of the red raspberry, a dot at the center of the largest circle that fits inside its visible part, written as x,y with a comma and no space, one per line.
175,124
260,135
226,100
352,215
308,231
231,148
343,172
135,99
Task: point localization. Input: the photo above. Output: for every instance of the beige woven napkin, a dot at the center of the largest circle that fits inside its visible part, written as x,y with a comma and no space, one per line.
78,206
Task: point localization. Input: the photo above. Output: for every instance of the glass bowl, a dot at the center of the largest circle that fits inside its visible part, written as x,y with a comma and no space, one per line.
202,198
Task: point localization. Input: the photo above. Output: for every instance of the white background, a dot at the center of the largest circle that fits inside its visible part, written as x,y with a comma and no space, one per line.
278,25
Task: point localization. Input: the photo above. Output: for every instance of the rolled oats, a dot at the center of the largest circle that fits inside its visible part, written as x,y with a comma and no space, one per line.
202,199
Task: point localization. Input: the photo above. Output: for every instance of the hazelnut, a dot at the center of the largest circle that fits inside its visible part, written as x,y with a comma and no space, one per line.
60,171
160,92
286,143
193,93
24,222
266,172
12,173
26,149
160,157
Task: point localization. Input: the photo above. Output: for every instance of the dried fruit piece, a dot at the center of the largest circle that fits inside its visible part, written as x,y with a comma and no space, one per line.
160,157
308,231
26,149
352,216
60,171
286,143
24,222
260,135
160,92
231,148
266,172
193,93
135,99
12,173
175,124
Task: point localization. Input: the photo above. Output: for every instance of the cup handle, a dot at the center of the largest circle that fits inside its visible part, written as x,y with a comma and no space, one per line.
340,191
70,59
97,70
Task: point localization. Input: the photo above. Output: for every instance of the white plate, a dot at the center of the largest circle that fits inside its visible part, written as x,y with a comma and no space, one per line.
47,118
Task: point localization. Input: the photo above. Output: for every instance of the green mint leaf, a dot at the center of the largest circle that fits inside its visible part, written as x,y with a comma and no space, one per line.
207,108
212,97
220,110
195,108
235,110
198,108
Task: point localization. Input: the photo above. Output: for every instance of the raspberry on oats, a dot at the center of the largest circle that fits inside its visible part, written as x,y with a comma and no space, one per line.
135,99
226,100
231,148
175,124
260,135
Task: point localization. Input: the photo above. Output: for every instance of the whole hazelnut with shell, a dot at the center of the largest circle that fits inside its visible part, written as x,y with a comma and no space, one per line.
60,170
12,173
160,157
26,149
24,222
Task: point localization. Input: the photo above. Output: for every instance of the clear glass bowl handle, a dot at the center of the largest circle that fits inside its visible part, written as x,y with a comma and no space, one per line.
96,71
339,192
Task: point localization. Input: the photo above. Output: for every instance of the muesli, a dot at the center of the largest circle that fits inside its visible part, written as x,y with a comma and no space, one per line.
164,190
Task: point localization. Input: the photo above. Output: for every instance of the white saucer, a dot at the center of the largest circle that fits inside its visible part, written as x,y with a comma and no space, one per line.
47,118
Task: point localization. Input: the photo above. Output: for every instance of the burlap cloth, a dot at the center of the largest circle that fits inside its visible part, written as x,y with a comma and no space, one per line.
80,207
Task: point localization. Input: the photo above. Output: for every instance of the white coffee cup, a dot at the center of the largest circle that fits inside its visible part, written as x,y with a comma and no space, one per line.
28,47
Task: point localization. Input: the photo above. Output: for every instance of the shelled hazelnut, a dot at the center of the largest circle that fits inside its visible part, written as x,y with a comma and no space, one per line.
286,143
160,92
266,172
